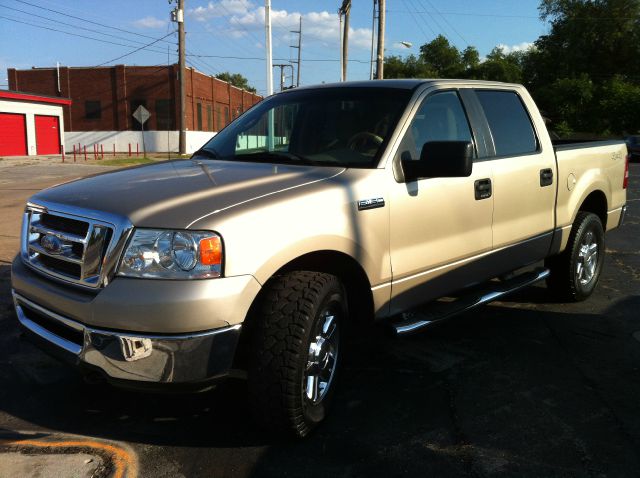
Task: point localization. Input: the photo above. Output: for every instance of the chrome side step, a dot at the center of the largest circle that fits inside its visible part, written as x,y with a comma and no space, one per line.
493,291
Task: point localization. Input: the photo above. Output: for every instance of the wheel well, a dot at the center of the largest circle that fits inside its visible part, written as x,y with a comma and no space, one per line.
596,202
347,269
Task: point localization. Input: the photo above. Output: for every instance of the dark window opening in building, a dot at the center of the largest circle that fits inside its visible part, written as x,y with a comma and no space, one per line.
92,109
199,115
209,118
135,124
219,121
164,115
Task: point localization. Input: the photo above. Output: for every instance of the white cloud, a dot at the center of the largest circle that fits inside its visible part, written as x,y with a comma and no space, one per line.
150,22
220,9
524,46
246,18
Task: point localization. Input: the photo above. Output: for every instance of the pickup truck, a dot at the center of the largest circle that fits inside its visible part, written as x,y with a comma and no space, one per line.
318,210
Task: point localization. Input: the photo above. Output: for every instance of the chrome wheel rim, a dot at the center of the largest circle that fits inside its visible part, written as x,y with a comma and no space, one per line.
587,262
322,358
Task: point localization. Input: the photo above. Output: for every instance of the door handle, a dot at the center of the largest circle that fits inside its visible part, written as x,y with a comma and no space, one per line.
482,188
546,177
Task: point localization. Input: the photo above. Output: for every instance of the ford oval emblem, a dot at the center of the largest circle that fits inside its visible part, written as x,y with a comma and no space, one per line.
51,244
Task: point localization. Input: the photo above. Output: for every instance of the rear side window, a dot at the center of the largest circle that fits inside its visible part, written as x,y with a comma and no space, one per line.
509,122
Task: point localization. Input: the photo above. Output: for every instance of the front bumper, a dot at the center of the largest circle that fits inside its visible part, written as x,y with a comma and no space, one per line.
130,359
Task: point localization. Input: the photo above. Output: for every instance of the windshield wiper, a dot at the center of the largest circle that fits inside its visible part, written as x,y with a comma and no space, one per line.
280,156
206,152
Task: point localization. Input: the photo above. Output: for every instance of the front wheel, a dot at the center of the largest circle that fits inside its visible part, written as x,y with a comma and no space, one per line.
296,349
575,272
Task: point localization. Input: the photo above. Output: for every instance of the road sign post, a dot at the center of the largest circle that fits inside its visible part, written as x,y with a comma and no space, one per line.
142,115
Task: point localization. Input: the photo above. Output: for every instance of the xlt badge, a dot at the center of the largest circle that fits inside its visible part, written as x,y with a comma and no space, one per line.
370,203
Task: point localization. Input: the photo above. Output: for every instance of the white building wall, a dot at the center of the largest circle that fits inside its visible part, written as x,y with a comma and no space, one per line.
30,110
155,141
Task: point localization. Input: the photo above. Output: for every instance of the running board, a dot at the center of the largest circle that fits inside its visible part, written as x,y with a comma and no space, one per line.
490,292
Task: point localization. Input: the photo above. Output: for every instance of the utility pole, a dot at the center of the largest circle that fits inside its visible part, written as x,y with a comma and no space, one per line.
373,38
178,16
341,43
345,10
267,33
269,65
299,47
380,58
282,66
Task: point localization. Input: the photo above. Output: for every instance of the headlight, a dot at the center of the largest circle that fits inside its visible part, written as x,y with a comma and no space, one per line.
162,254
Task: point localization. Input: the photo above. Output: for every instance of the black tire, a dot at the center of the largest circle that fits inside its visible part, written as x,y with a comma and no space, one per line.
575,272
289,318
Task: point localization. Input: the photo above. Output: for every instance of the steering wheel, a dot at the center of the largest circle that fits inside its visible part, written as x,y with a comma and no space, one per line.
359,140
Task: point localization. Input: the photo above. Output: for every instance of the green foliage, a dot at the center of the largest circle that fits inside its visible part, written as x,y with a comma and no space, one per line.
409,67
470,57
442,57
236,79
584,74
620,105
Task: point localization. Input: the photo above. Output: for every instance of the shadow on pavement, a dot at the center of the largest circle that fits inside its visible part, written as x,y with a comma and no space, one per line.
498,391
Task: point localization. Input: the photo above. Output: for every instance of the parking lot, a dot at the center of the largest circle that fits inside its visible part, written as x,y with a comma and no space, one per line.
522,387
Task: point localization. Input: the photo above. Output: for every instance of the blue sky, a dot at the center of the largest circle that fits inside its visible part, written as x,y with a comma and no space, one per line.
234,28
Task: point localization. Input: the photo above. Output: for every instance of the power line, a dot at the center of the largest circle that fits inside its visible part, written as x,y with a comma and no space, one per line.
415,20
228,57
137,49
119,37
464,14
221,4
447,22
101,40
40,7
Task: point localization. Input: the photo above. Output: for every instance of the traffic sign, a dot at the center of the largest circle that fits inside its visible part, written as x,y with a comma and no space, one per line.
141,114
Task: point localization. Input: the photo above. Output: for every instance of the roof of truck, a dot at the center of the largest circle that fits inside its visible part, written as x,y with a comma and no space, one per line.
405,84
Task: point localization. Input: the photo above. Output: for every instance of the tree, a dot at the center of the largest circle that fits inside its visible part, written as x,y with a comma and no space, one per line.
499,66
583,68
470,57
584,73
236,79
442,57
409,67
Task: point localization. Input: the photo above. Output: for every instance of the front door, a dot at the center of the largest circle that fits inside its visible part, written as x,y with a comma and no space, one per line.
437,225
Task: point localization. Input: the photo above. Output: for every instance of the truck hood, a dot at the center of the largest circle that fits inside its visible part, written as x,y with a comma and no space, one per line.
174,194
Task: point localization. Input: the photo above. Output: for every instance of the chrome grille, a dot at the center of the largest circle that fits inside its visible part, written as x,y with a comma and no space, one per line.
65,246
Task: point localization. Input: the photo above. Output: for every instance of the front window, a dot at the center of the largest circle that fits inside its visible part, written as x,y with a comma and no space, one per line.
344,126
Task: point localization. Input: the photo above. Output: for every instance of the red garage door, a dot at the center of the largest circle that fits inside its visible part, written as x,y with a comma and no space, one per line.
13,135
47,135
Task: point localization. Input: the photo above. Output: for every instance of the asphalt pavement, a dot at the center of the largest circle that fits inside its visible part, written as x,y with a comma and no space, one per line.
522,387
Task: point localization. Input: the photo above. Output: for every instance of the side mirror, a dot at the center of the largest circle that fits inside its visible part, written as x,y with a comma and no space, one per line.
440,159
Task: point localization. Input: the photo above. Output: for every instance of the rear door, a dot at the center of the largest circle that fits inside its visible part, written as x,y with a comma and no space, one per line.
524,177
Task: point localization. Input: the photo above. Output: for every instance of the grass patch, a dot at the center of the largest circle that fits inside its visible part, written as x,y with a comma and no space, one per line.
121,162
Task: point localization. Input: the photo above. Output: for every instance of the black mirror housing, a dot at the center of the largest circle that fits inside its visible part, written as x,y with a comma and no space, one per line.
441,159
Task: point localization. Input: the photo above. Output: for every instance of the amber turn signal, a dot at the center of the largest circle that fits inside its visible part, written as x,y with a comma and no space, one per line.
210,251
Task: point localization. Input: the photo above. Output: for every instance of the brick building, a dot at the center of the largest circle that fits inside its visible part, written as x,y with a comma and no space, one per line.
104,99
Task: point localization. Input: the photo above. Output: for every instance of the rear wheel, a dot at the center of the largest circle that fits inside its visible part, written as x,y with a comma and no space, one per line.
575,272
296,349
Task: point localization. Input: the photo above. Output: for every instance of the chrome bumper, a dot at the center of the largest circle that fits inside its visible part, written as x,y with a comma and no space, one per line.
124,356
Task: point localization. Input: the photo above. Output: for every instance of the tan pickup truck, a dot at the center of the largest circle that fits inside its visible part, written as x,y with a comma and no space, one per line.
318,208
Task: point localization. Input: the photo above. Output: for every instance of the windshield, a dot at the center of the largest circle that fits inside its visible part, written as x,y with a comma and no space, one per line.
344,126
